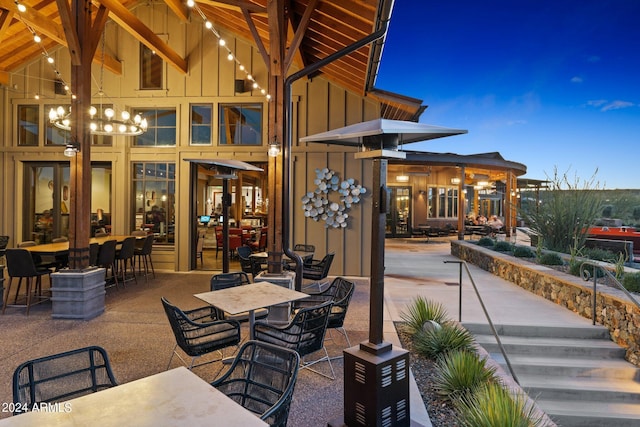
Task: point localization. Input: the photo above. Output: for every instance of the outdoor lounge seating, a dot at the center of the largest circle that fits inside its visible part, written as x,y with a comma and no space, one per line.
318,270
200,331
304,334
248,264
61,377
262,378
339,293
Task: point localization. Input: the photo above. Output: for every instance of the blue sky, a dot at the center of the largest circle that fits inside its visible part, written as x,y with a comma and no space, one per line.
551,84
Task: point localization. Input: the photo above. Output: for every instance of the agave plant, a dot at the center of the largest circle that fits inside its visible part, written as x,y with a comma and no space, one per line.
420,311
460,372
491,405
439,341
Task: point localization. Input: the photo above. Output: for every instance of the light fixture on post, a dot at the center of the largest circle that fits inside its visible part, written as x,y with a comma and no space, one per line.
71,150
103,118
274,149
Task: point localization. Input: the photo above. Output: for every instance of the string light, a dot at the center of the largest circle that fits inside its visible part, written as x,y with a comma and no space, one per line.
223,43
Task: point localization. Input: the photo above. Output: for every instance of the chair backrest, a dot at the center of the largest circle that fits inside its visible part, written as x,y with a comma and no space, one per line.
139,233
20,263
262,379
60,239
304,333
228,280
304,247
128,248
244,251
26,244
4,241
101,234
107,254
62,376
147,246
94,250
341,291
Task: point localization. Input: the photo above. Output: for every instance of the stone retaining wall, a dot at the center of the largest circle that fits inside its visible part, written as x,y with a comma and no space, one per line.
613,309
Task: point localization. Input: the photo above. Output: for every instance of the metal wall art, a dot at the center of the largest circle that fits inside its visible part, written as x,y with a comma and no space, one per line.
319,207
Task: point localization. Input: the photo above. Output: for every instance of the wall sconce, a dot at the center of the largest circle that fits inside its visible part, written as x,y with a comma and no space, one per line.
71,150
455,180
274,149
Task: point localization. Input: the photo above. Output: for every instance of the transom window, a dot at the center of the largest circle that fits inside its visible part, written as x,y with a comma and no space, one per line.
201,122
240,124
161,128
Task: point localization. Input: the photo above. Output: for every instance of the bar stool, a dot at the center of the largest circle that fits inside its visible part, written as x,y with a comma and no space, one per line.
124,258
143,256
107,260
20,264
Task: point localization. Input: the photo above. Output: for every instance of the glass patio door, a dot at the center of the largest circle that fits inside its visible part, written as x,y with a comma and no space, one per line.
399,215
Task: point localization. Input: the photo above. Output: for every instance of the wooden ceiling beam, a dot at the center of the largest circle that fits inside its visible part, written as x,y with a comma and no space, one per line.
5,20
68,24
300,30
277,34
256,37
179,9
5,78
134,26
238,6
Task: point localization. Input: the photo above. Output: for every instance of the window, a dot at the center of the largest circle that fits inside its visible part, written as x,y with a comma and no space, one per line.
47,208
154,189
161,130
151,68
240,124
443,201
28,119
201,124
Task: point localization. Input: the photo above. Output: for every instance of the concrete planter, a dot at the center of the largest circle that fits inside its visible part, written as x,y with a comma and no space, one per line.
613,309
78,295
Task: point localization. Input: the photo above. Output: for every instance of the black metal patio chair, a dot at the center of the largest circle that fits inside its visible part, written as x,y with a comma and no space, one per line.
262,378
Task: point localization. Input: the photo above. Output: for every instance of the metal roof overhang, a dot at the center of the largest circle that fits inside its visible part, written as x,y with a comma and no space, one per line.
381,137
225,168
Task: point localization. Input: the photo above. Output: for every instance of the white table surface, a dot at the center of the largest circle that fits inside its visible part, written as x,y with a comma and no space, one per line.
172,398
250,297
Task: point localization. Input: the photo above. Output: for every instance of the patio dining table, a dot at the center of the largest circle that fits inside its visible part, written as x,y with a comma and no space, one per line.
177,397
248,298
62,248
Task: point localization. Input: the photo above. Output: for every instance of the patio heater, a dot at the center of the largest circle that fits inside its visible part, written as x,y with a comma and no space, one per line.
376,374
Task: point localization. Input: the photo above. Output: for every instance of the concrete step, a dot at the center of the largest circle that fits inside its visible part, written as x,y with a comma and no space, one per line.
580,332
591,413
569,367
581,389
569,347
577,375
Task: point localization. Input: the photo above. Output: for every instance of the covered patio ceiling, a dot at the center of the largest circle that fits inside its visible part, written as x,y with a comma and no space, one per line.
317,28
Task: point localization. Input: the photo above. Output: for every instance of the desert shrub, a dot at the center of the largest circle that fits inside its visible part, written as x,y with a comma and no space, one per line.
460,372
586,272
523,252
631,282
421,310
486,242
565,212
436,342
503,246
551,258
599,254
491,405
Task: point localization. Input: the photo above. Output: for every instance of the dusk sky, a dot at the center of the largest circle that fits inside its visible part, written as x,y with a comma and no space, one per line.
550,84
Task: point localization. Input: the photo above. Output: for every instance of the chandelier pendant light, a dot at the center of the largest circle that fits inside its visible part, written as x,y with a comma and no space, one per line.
103,119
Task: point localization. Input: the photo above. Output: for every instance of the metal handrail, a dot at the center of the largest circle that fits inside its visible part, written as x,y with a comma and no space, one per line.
486,314
606,271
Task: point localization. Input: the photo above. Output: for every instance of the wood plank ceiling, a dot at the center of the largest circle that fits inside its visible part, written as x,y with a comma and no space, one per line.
329,27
